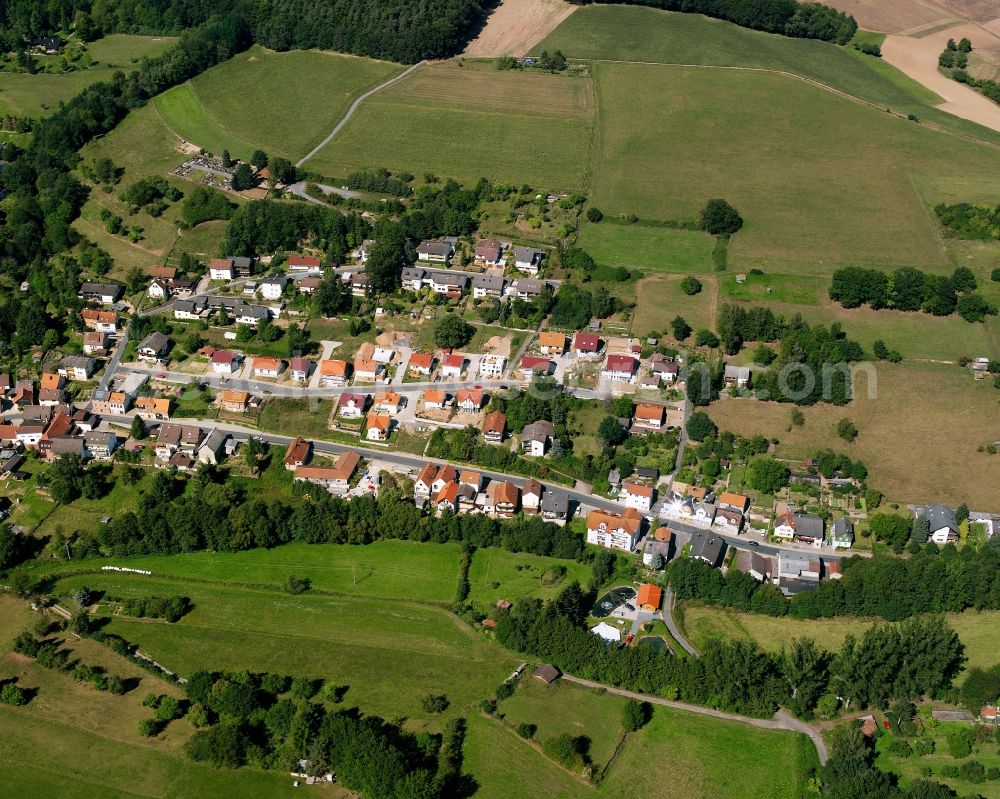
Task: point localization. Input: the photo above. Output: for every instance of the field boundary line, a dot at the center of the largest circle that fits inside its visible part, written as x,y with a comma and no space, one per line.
814,82
354,107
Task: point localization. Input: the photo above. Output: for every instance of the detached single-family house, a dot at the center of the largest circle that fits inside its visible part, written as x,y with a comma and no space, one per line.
656,547
805,527
502,499
303,263
536,437
332,373
488,286
366,370
728,520
527,260
421,363
586,343
95,343
489,252
412,278
648,414
735,501
152,409
234,401
388,402
155,347
842,533
494,427
299,368
100,445
297,453
77,367
448,283
447,497
435,251
533,366
336,479
267,367
158,289
637,496
101,321
470,400
614,531
942,523
453,365
213,448
531,496
220,269
620,368
224,362
526,288
736,376
104,293
189,309
551,342
707,547
555,506
492,366
308,285
664,368
378,426
272,288
650,597
351,406
435,399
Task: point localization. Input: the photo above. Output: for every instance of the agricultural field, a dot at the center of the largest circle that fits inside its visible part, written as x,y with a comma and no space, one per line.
39,95
418,571
463,119
282,103
703,623
912,403
499,574
649,248
391,652
658,300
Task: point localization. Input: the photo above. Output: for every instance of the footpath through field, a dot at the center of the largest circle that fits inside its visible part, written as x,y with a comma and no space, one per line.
781,721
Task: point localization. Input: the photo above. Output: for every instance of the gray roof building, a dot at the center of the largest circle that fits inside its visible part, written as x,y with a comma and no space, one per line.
842,532
489,283
707,547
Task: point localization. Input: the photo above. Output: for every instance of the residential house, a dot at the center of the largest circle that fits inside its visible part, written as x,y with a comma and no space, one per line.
536,437
383,355
648,414
494,427
366,370
224,362
101,321
468,496
337,478
620,368
637,496
551,342
555,506
528,288
470,400
502,499
51,396
158,289
297,453
104,293
735,501
299,368
351,406
736,376
303,263
100,444
359,284
213,449
435,399
5,383
654,548
614,531
546,673
114,403
435,251
447,497
833,569
95,343
272,288
421,363
85,421
29,434
453,365
388,402
332,373
488,286
177,437
531,496
664,368
533,366
190,309
423,486
448,282
527,260
77,367
445,474
806,528
489,252
155,347
842,533
234,401
492,366
797,572
650,597
220,269
586,343
251,315
413,278
267,367
153,409
308,285
378,426
471,478
707,547
728,520
243,266
57,447
942,522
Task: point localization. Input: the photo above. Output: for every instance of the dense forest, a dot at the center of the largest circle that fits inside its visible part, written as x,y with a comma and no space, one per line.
396,30
788,17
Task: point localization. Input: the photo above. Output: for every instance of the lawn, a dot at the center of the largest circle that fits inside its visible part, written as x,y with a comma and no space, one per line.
389,651
831,181
416,571
268,100
305,417
85,514
659,300
702,623
649,248
775,287
466,121
644,34
38,95
914,403
499,574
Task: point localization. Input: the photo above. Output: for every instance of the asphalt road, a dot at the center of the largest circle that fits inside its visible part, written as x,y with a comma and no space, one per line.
668,619
116,357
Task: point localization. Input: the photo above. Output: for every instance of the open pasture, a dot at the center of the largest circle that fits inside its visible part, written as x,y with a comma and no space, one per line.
649,248
499,574
660,299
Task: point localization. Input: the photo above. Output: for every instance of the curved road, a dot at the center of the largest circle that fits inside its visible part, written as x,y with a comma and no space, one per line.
353,108
781,720
668,619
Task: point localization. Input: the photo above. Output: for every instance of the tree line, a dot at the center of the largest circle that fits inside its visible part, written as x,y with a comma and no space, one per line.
788,17
908,661
909,289
935,580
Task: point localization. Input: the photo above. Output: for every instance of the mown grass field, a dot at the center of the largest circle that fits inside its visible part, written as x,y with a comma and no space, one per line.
498,574
919,435
389,651
660,299
468,122
39,95
702,623
283,103
416,571
650,249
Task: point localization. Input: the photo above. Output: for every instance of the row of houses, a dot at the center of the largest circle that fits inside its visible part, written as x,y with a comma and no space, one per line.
489,253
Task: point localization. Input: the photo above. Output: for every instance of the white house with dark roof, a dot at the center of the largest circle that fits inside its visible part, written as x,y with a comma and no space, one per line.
435,251
527,259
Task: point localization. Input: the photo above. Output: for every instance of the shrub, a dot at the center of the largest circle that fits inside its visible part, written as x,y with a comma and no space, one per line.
148,728
960,742
636,714
567,750
526,730
435,703
10,694
690,285
169,709
594,215
972,771
706,338
504,690
151,700
720,218
700,426
900,747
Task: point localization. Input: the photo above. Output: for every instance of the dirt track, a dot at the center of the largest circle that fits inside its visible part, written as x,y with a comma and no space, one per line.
918,58
517,26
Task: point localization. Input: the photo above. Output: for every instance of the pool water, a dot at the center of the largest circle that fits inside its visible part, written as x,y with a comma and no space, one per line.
654,642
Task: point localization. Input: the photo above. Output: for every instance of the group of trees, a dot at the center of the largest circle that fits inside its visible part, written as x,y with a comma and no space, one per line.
955,55
574,306
204,204
788,17
934,580
967,221
909,289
